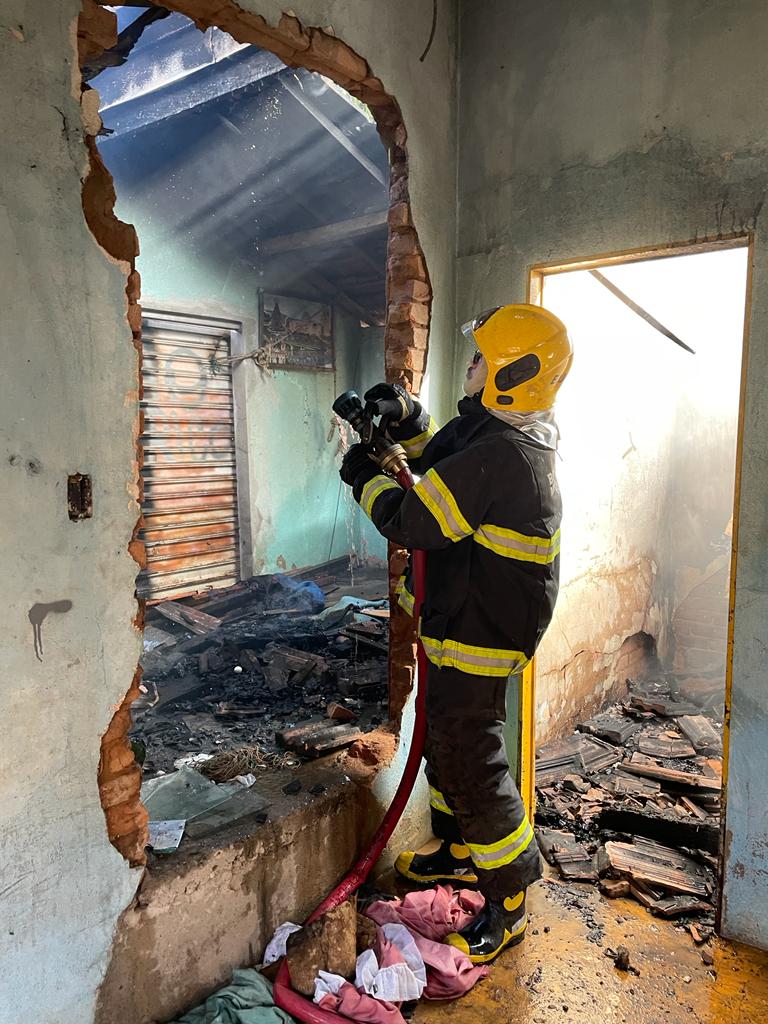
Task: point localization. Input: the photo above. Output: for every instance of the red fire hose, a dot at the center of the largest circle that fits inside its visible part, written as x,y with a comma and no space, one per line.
292,1002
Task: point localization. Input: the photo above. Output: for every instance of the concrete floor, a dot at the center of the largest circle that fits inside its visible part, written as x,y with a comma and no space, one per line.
561,973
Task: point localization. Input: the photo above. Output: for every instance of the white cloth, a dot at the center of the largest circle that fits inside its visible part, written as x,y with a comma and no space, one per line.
276,947
395,983
327,984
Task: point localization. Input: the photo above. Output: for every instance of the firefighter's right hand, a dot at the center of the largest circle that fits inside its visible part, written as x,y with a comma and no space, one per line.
390,400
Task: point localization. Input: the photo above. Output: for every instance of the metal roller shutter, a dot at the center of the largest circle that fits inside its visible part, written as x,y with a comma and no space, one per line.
190,485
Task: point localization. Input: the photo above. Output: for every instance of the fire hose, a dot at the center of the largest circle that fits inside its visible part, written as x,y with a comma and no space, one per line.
391,458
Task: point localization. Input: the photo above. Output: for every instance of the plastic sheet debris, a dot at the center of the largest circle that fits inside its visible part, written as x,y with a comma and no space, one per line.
287,593
345,609
184,794
165,836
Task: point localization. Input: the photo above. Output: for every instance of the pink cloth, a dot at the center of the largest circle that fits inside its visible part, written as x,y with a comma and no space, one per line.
358,1006
433,913
430,915
450,973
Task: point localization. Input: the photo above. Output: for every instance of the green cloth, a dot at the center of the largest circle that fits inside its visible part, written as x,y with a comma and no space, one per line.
246,1000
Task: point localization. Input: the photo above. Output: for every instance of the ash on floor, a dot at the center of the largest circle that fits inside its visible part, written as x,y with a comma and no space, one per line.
294,665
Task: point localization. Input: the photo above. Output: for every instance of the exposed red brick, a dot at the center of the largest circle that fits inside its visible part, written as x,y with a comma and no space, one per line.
412,360
337,55
96,30
412,291
402,337
399,216
402,244
119,239
402,269
408,312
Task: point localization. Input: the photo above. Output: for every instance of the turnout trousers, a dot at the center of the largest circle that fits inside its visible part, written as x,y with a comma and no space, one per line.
473,799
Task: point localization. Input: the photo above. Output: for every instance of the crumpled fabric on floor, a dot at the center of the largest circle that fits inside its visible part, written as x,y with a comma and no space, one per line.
433,913
450,973
246,1000
276,947
393,970
334,993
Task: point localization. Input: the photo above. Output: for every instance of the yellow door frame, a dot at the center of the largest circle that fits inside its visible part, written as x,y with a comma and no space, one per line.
527,692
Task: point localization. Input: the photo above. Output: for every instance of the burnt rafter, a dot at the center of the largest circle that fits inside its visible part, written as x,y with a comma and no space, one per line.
126,41
326,234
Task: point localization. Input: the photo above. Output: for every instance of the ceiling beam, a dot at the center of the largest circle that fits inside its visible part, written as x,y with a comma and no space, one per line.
642,313
292,86
204,84
326,234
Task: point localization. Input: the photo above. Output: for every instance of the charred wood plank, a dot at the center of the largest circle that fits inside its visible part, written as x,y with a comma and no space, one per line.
189,618
702,734
660,867
663,828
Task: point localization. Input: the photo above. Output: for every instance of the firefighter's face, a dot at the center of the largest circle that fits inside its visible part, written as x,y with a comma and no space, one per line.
477,373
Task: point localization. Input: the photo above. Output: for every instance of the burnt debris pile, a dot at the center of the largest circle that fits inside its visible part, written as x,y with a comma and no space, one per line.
294,666
631,801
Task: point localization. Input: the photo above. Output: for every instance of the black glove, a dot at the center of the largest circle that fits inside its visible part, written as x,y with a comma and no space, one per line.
358,467
390,400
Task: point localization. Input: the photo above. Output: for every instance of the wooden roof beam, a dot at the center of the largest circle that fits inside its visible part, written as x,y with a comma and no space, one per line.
326,234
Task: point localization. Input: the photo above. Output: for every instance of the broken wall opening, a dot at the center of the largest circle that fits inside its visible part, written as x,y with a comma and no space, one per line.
402,313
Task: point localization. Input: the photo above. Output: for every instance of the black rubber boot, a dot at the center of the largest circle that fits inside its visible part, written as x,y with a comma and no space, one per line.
449,863
500,924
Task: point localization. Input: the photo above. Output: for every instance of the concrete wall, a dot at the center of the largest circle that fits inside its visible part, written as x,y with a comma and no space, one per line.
69,405
297,504
589,128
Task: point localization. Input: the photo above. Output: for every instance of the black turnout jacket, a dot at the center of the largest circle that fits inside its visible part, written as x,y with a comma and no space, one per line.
487,509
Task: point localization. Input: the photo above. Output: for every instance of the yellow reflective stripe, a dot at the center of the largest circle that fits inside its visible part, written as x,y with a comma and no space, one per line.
489,856
511,544
414,446
441,503
406,601
437,800
478,661
373,489
405,598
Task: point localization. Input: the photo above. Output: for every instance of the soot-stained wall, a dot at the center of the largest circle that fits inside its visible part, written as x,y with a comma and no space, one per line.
70,405
590,128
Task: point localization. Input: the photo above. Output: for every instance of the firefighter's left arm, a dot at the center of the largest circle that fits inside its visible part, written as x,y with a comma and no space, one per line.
445,506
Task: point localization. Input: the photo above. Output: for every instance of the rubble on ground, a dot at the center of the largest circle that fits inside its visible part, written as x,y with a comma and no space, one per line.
264,667
631,801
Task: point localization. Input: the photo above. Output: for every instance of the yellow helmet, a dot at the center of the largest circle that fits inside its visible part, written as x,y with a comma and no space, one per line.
528,354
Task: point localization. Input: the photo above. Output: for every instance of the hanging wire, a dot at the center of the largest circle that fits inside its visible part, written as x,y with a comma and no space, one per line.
431,39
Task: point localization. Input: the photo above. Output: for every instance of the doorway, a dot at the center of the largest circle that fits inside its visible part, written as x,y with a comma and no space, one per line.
630,679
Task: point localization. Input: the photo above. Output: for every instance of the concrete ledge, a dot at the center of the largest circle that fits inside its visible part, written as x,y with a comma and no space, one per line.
213,906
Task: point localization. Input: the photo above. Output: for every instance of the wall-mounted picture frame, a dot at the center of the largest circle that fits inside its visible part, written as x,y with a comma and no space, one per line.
296,333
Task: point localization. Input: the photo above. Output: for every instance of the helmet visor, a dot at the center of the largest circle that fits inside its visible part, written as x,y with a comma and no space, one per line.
468,329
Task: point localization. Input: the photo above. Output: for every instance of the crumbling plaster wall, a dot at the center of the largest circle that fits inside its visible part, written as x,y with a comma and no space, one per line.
592,128
69,405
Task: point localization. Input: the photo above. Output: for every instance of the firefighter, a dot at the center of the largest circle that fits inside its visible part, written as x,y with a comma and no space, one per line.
487,510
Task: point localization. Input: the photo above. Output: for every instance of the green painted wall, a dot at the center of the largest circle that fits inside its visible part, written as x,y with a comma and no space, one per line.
285,427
